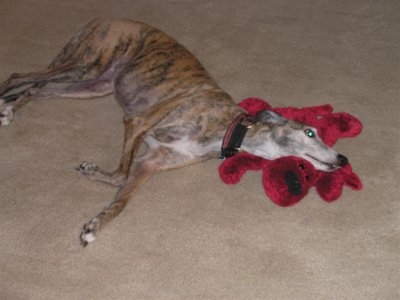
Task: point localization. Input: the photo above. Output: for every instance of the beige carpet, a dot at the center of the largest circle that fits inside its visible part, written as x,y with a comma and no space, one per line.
186,235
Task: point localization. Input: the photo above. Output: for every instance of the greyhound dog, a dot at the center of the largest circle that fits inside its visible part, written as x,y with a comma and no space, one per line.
170,103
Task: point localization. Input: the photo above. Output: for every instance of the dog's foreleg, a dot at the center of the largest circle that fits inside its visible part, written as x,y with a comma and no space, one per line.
135,127
134,130
139,175
157,159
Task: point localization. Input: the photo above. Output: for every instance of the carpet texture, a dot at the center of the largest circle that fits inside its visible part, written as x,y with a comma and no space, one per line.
186,235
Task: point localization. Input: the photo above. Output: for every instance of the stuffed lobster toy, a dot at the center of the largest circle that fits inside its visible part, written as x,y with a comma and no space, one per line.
287,180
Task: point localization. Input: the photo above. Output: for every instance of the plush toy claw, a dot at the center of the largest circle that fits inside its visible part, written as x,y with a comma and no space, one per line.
329,185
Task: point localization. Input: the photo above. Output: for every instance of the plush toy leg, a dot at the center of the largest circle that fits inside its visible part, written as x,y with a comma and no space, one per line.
287,180
232,169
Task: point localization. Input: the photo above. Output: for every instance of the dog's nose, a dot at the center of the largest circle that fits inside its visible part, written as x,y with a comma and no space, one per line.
342,160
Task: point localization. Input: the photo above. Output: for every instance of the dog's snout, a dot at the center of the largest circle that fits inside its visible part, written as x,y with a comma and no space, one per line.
342,160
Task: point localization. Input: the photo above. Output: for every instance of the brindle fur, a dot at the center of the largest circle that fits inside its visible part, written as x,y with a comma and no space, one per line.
169,100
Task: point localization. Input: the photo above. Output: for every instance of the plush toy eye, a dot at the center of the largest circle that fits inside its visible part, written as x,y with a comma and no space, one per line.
309,133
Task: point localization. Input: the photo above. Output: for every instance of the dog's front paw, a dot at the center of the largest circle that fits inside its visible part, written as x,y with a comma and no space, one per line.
6,114
87,168
89,232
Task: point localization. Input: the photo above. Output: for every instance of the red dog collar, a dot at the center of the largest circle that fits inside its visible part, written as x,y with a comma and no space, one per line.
235,134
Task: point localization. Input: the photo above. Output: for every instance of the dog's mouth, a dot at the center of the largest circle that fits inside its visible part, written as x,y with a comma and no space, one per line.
330,166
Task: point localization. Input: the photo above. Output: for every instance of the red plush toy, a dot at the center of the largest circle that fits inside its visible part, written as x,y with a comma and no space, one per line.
287,180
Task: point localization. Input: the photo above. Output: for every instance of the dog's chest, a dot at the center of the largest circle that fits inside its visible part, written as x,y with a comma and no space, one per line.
185,146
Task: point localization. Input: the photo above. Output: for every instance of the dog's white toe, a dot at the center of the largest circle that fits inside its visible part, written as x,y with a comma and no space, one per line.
87,168
6,115
89,232
87,237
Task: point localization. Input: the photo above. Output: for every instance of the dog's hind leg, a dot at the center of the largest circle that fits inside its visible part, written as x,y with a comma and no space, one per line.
82,90
61,73
37,80
12,97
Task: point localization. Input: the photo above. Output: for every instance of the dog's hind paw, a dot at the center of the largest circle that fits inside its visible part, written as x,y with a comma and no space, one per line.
87,168
6,114
89,232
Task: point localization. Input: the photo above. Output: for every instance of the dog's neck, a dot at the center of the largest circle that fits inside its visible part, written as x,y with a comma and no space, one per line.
235,134
255,140
258,141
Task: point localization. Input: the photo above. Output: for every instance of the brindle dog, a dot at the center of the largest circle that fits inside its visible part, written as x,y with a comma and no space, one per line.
170,103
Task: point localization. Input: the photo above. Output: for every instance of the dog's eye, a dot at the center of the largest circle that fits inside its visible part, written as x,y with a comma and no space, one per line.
309,133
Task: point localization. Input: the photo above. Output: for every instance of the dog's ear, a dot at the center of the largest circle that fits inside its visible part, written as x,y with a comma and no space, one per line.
270,117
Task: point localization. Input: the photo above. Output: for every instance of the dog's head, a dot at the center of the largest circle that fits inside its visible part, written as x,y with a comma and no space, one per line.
277,137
